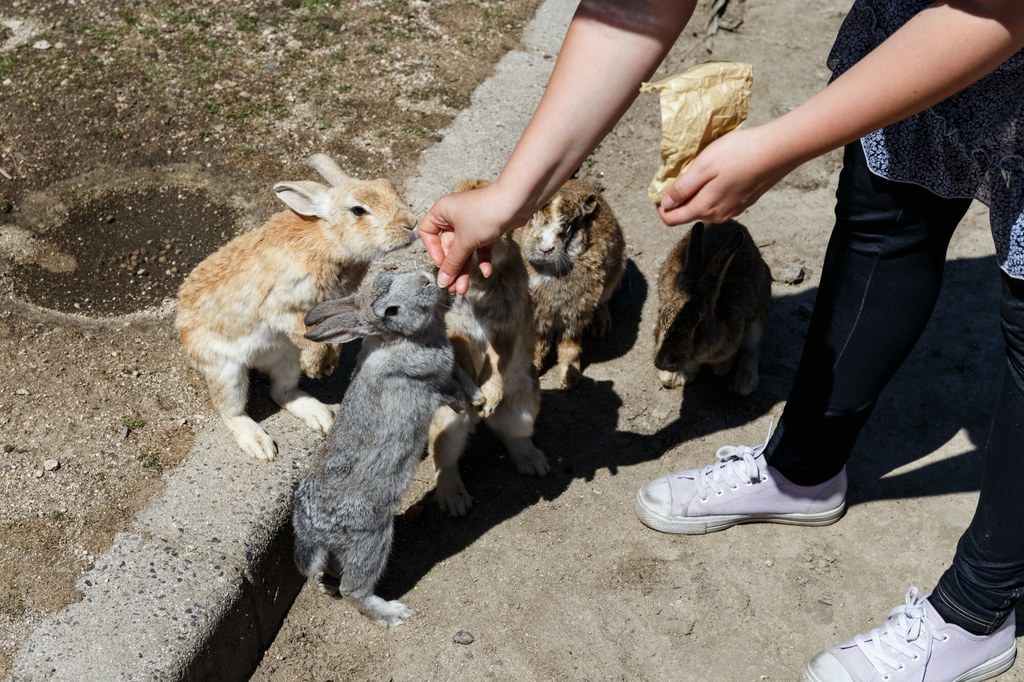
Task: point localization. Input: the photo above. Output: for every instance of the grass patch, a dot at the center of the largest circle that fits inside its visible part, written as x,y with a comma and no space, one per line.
246,23
148,460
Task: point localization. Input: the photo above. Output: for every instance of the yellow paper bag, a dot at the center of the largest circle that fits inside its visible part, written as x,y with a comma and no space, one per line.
698,106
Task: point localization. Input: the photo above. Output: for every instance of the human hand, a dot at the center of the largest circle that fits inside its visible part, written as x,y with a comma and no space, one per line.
726,178
460,225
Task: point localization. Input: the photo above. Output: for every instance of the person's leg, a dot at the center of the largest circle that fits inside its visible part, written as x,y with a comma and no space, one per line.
879,283
964,630
986,578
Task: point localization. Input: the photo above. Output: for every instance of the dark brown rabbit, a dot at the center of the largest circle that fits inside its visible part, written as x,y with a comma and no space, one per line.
714,295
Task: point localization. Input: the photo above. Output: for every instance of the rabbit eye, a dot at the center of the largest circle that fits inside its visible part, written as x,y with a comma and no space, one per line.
391,311
358,211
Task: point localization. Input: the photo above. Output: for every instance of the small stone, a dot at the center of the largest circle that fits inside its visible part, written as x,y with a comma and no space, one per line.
42,45
769,563
8,448
792,274
51,465
38,473
463,637
22,391
124,432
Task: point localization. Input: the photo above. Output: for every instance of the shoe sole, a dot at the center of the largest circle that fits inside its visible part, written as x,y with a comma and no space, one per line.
986,671
710,524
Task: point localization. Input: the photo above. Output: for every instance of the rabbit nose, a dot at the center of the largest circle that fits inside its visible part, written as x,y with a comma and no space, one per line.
547,250
664,361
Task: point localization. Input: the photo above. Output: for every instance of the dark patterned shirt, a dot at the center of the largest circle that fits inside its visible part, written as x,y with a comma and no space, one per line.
970,145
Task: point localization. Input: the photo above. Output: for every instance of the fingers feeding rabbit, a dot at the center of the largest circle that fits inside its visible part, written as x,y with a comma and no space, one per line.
343,511
491,331
574,250
714,296
243,305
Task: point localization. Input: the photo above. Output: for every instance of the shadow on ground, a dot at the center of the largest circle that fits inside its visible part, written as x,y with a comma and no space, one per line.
948,384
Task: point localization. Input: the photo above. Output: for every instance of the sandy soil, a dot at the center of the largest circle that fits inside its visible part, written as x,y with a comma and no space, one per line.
556,579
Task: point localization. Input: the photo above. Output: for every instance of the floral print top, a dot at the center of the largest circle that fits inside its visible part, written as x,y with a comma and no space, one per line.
970,145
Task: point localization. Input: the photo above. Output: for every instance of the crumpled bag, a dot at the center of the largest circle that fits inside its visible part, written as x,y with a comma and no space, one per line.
698,106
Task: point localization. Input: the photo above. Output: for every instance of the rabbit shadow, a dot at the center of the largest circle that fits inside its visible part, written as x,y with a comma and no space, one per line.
625,307
577,443
578,429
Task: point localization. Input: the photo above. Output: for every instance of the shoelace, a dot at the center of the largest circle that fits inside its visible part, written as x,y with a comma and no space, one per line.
906,631
735,465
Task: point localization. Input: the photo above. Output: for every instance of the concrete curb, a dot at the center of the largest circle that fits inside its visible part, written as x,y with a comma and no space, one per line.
197,586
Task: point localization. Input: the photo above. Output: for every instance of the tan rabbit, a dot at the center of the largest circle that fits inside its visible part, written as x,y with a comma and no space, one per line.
491,331
243,306
574,250
715,291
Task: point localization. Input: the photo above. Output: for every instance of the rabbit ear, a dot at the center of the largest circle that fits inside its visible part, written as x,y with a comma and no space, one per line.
328,169
588,205
715,274
694,253
305,198
330,308
347,325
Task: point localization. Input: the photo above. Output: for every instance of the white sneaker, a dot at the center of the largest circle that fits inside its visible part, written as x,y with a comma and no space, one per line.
739,488
915,644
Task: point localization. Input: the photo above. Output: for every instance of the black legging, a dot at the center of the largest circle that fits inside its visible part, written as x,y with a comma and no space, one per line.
881,278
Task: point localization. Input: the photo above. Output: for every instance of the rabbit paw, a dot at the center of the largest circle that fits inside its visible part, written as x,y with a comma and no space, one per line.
314,413
328,584
253,440
571,376
745,382
451,496
394,613
672,380
530,460
489,404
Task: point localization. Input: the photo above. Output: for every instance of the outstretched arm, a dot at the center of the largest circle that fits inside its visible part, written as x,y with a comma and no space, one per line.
941,50
610,48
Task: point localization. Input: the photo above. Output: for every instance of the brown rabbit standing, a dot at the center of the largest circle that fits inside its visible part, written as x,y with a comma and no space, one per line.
574,250
244,305
714,294
491,332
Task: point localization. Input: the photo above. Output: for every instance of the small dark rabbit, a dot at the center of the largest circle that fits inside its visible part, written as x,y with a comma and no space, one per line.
714,293
574,253
343,511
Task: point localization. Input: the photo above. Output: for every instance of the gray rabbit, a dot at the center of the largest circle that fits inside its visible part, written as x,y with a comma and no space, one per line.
344,510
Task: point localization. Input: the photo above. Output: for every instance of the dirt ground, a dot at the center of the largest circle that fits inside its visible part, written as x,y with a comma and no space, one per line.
135,138
556,579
